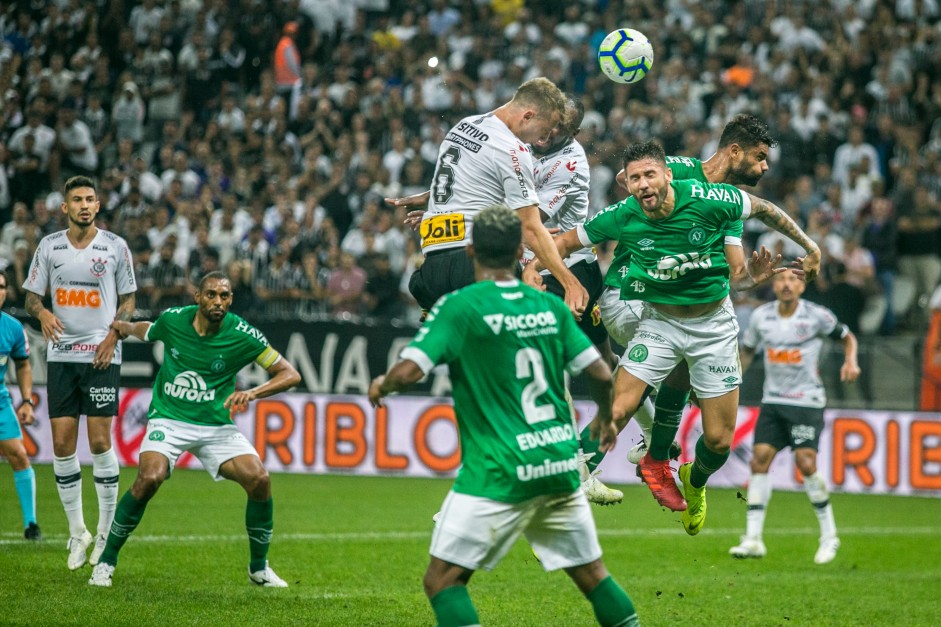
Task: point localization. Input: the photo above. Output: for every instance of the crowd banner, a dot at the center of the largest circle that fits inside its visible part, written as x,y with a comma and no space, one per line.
877,452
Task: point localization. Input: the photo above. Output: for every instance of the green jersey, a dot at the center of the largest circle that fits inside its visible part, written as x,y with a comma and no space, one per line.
679,260
506,345
683,168
198,372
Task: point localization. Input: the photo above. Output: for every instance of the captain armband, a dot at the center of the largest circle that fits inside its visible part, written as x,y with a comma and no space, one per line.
839,332
268,358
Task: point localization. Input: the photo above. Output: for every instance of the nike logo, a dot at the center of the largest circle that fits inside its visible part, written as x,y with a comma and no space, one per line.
56,266
100,405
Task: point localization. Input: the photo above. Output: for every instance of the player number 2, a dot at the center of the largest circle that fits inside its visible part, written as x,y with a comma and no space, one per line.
529,364
444,177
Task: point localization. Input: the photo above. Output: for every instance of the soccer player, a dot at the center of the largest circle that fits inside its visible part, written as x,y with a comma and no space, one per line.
193,399
484,161
562,179
14,345
790,332
741,159
507,344
89,275
674,231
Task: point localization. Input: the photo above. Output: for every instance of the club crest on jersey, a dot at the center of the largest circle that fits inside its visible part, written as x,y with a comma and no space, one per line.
697,235
802,329
99,267
218,365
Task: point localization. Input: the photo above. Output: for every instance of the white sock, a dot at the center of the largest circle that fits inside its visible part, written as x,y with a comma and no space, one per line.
819,497
644,418
759,494
105,469
69,483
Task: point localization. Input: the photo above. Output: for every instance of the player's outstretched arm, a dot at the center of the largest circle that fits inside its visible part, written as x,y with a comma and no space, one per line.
125,329
420,203
541,243
600,388
105,351
777,219
566,243
401,376
746,275
284,376
850,370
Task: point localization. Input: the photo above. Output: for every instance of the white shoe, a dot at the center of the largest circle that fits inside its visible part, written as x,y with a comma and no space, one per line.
100,541
599,493
749,547
267,578
78,546
101,575
637,453
827,550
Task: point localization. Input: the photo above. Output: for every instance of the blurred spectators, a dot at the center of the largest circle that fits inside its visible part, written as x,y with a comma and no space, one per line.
244,128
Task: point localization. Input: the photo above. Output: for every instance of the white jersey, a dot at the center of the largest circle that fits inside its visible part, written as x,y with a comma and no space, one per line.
481,163
562,179
791,347
84,284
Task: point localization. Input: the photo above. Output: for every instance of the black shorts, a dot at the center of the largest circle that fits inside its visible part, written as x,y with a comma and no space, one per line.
589,275
77,389
442,272
789,425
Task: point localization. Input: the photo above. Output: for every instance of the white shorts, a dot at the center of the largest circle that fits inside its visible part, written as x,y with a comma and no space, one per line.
212,446
708,344
620,317
475,532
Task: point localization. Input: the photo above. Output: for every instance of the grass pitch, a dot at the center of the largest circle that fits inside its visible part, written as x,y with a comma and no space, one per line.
354,550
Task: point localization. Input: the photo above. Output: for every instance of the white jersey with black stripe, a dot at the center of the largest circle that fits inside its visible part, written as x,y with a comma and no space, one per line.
792,346
481,163
84,285
562,179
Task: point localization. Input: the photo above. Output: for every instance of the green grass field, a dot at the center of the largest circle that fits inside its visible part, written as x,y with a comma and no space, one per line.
354,550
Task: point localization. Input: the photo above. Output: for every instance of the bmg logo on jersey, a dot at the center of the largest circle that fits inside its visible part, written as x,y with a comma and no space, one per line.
75,297
189,386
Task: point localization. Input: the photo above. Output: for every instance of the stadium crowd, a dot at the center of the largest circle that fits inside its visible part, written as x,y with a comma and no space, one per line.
261,136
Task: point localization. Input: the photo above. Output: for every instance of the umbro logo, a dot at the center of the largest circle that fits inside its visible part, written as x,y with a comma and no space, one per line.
646,244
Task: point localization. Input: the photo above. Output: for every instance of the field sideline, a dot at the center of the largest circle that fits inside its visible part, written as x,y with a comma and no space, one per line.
354,550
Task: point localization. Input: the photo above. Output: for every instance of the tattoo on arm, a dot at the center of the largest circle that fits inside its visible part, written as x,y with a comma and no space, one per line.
777,219
126,306
33,304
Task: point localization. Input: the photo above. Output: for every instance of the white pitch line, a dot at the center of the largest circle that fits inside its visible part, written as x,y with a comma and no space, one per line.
14,538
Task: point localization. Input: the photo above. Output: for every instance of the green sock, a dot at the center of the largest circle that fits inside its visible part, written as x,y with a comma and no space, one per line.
259,522
612,605
669,410
453,607
126,518
590,446
706,463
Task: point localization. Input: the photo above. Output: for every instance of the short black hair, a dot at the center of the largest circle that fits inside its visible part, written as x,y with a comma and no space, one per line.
76,182
209,276
497,236
645,150
747,131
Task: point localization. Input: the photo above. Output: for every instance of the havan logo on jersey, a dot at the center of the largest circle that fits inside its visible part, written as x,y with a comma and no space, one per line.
524,325
189,386
723,194
672,267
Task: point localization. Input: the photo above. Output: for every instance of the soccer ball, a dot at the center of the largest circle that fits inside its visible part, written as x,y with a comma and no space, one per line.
625,55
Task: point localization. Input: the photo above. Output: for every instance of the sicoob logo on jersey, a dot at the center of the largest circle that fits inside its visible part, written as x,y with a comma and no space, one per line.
99,267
